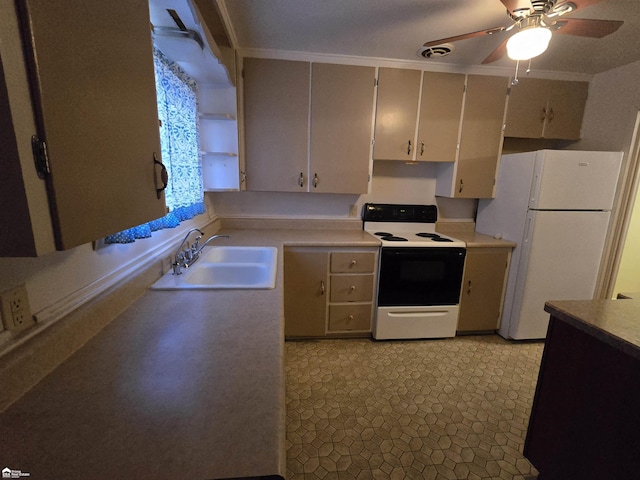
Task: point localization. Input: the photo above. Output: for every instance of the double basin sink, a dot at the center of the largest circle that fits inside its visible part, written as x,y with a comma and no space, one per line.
226,267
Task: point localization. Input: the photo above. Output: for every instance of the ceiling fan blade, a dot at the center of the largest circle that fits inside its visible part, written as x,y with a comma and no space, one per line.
497,54
514,6
586,28
479,33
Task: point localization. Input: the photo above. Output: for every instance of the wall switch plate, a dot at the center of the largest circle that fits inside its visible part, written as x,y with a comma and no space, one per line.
16,313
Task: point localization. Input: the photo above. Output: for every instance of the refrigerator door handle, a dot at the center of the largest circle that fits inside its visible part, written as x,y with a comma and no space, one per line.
528,228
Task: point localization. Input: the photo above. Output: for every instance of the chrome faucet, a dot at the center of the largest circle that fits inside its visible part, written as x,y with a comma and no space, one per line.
185,257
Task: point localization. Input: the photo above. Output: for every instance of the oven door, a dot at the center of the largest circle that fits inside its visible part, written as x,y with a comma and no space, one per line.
420,276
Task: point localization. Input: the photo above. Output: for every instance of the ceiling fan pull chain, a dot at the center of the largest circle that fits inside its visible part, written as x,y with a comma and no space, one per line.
515,80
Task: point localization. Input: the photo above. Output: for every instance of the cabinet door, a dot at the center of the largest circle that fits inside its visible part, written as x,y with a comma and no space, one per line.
94,93
396,114
341,128
276,124
565,110
482,289
527,108
305,292
440,115
482,135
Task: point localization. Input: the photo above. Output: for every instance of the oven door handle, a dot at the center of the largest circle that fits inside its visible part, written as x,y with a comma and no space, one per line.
436,313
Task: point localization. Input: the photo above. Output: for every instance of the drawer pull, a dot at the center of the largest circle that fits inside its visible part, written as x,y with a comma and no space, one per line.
349,318
354,263
469,288
321,287
352,288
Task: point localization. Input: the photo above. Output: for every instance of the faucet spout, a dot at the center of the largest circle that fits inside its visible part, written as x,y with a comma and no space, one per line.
206,242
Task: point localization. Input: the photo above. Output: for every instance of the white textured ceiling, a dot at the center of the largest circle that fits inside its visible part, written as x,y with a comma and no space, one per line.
396,29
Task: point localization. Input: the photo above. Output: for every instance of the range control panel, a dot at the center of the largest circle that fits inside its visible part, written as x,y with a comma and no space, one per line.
385,212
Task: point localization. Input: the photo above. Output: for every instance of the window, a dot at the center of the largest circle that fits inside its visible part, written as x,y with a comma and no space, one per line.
178,114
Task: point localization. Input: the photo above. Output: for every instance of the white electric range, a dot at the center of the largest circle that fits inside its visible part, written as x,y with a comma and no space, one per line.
420,272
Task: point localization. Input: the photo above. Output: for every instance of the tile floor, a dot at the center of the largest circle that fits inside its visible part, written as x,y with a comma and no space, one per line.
431,409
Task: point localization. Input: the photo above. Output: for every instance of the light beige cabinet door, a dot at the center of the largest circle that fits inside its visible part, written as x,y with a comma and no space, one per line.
342,99
481,138
440,115
482,289
276,124
305,292
565,110
396,114
541,108
95,105
527,108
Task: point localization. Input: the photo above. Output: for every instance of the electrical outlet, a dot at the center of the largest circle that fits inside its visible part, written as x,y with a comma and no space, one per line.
16,313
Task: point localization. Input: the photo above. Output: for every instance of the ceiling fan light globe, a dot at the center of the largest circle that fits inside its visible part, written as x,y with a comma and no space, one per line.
528,43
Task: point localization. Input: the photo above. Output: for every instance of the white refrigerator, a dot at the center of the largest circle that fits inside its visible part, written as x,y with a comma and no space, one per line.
556,205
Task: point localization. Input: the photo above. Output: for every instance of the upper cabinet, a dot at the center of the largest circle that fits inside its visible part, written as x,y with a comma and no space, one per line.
396,114
418,115
307,128
342,98
473,173
550,109
440,117
276,124
95,117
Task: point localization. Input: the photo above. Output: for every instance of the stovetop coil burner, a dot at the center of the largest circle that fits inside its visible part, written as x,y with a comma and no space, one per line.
393,238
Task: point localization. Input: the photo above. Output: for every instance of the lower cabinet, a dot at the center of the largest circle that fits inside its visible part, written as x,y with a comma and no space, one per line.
329,291
483,286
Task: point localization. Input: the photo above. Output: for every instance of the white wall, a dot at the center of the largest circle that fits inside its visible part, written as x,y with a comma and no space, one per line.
59,281
610,116
612,106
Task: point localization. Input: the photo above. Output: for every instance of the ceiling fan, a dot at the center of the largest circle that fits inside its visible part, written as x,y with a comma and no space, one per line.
534,22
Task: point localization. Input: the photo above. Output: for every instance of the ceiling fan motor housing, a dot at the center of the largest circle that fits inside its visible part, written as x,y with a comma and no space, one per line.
540,7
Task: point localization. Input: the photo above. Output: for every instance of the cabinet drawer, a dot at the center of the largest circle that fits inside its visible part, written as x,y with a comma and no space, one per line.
353,262
350,317
351,288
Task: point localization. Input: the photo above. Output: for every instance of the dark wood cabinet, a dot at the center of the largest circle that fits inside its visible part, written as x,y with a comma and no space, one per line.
585,418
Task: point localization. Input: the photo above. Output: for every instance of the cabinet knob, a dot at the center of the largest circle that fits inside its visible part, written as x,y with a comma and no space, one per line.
301,180
315,180
544,114
354,263
551,114
461,186
349,318
409,148
352,288
421,148
469,288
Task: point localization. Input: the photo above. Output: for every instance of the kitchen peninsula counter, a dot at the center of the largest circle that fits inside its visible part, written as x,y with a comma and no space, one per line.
585,419
183,384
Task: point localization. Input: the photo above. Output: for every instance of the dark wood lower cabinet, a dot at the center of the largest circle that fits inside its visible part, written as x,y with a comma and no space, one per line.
585,420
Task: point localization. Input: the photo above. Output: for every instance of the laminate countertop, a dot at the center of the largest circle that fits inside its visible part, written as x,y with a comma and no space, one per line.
182,385
615,322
